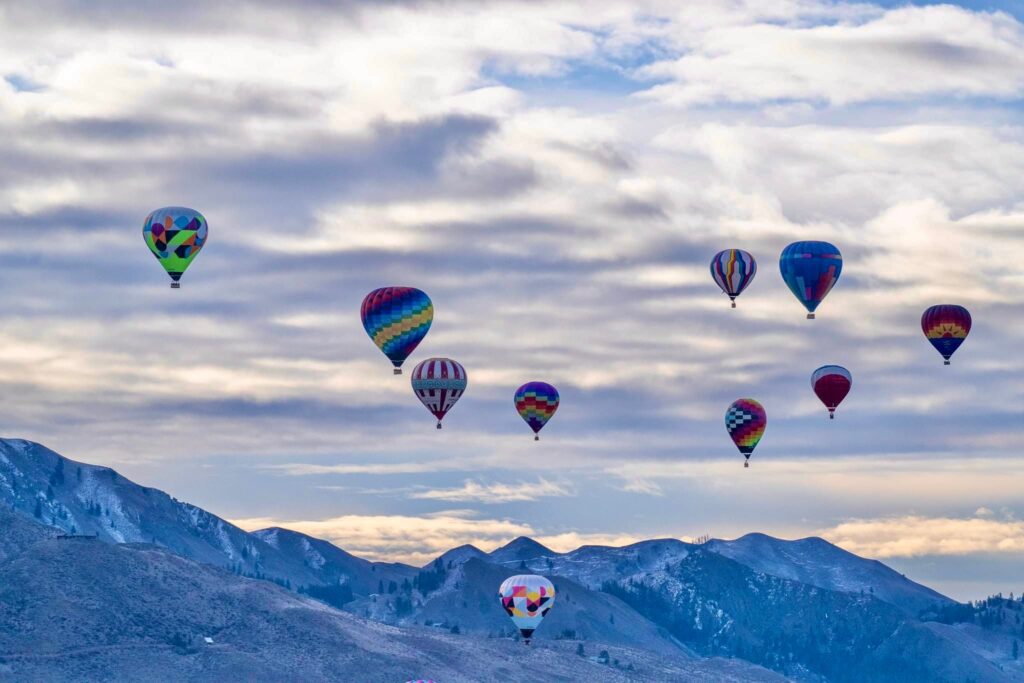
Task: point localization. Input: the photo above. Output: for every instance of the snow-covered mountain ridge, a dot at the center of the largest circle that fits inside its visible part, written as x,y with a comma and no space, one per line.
805,608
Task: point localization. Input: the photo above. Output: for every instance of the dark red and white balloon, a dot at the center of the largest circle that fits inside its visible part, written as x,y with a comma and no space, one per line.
831,383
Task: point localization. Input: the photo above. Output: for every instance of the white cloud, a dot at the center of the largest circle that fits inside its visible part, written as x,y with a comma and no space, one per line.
497,493
304,469
900,54
582,259
914,536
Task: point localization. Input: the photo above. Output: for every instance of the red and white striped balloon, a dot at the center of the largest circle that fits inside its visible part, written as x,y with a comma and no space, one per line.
439,383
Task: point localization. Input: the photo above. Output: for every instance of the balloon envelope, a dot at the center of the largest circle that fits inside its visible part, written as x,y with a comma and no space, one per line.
397,319
175,235
733,270
831,383
810,270
745,420
946,326
527,598
439,383
536,403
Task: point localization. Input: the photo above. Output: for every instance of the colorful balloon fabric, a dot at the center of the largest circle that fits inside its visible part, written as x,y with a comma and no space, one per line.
397,319
527,598
733,270
946,327
745,421
536,403
175,235
810,270
439,383
831,383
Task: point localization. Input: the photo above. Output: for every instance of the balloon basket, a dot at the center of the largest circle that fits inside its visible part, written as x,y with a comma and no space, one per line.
398,371
945,362
438,425
810,316
733,305
175,285
536,437
746,464
831,415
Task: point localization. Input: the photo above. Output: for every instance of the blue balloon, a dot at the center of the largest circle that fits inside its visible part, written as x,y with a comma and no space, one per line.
810,269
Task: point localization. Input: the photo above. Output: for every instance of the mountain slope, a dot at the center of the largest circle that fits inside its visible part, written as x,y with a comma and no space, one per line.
88,500
18,533
468,598
817,562
721,606
80,609
332,564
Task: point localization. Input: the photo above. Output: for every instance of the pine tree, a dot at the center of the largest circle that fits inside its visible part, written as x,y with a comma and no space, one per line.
380,587
580,651
57,477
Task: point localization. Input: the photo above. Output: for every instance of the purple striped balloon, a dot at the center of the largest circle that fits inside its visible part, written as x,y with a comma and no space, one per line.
733,270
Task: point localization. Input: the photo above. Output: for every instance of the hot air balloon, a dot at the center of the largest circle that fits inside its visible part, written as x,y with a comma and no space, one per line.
745,421
175,235
810,269
397,319
831,383
536,403
527,598
733,270
946,327
439,383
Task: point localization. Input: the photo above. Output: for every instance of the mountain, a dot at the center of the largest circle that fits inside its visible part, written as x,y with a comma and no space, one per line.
82,499
93,564
805,608
817,562
332,564
718,605
78,609
520,550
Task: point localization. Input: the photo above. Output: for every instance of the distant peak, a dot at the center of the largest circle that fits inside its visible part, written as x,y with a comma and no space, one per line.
522,548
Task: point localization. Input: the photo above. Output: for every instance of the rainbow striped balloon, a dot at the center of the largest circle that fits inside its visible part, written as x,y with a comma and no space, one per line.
745,421
536,403
946,326
397,319
733,270
438,384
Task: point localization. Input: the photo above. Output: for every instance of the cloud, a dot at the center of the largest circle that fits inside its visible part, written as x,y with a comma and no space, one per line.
899,54
497,493
562,229
914,536
305,469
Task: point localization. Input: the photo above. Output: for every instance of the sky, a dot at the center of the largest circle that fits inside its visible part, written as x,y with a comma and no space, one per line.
556,176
